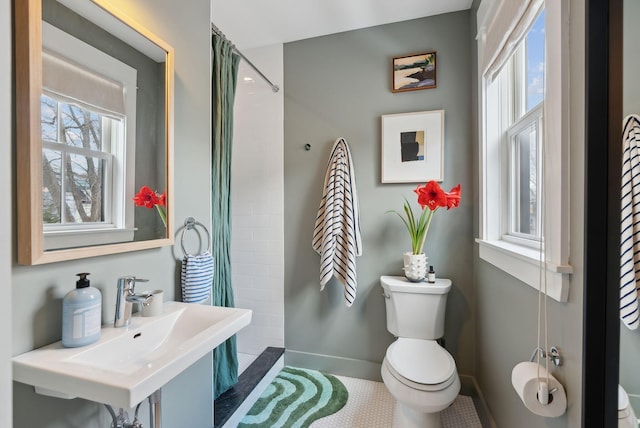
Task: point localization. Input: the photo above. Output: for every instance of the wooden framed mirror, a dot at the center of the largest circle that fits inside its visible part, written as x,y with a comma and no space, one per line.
94,113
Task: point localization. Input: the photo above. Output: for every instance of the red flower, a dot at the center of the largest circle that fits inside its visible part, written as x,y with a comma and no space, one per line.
453,197
149,198
146,198
431,195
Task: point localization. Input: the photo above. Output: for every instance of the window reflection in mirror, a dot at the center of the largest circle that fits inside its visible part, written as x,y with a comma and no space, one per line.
94,100
96,149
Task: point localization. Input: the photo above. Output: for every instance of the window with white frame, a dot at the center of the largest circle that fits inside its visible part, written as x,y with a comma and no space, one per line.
88,144
523,97
79,147
523,157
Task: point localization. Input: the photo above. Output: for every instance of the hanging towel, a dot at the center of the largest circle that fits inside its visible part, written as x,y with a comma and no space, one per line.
630,223
336,235
197,277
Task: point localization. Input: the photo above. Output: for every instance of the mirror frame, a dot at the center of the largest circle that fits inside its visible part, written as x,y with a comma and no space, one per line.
28,89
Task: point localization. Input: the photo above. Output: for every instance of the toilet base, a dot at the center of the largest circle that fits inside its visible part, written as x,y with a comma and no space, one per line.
418,409
406,417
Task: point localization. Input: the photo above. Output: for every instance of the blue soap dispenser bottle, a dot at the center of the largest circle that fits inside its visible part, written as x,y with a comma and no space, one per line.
81,314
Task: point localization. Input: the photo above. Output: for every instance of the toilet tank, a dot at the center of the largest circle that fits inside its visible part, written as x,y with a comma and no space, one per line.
415,310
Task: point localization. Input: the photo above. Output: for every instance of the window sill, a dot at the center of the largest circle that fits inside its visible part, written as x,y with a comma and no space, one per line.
82,238
524,264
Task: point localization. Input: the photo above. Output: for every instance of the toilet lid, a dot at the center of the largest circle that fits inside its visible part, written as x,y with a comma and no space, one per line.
421,361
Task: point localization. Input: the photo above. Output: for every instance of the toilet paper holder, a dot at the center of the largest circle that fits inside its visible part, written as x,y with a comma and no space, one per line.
553,355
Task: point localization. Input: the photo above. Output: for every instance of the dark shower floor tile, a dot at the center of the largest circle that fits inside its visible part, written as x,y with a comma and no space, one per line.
228,402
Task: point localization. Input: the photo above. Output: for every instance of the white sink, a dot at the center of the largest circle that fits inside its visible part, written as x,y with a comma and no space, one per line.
129,363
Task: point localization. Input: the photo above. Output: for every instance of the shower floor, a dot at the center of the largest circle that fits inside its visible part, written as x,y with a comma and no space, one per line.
255,373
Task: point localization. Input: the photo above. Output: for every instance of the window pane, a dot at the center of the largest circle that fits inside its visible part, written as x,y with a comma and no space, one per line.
535,61
83,190
526,181
49,118
82,128
51,186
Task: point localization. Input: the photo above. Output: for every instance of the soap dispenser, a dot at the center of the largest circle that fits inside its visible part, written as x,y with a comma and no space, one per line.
81,314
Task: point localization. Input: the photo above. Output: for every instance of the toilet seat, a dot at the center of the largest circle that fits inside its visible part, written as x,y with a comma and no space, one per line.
626,416
623,403
421,364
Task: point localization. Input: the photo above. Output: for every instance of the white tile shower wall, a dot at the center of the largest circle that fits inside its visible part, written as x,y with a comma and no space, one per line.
257,200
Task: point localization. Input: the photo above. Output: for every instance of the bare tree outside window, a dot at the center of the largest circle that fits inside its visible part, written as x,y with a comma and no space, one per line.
73,163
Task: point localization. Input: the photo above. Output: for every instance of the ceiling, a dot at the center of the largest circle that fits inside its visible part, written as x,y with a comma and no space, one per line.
255,23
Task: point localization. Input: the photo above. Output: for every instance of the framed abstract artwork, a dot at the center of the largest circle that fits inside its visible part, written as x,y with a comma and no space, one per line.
414,72
413,147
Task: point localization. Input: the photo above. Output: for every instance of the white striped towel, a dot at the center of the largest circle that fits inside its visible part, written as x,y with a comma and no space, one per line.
197,277
336,235
630,223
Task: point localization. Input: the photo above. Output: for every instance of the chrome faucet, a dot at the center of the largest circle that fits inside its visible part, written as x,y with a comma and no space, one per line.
126,297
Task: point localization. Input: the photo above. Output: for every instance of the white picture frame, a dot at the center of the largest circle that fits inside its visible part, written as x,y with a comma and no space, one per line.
413,147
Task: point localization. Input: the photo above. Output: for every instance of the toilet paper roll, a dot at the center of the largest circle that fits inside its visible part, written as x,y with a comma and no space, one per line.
524,379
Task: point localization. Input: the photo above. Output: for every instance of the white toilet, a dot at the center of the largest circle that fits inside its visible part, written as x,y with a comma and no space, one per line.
419,373
626,416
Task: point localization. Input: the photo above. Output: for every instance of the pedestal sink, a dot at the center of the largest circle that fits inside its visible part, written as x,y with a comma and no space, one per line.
129,364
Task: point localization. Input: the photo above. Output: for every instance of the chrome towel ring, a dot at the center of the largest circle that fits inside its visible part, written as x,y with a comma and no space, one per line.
190,224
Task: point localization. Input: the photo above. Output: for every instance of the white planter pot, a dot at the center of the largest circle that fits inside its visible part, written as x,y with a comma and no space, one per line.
415,267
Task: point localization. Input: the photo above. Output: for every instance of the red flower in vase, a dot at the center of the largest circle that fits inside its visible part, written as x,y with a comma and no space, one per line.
430,198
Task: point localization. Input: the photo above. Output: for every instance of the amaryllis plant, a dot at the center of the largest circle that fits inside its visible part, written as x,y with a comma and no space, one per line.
146,197
430,197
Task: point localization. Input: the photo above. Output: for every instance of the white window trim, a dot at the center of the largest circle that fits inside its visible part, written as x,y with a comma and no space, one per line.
57,240
520,261
121,228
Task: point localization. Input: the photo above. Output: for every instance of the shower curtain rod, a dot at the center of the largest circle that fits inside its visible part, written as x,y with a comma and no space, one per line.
216,30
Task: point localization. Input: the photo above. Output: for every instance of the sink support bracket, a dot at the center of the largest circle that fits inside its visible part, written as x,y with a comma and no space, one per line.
155,408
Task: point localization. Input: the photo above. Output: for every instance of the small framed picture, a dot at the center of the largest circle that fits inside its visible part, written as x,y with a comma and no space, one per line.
414,72
413,147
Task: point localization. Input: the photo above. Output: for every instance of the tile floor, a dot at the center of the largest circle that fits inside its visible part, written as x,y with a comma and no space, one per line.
371,406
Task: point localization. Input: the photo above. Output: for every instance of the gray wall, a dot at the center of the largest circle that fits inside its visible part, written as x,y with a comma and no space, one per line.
38,290
6,120
339,86
630,340
506,309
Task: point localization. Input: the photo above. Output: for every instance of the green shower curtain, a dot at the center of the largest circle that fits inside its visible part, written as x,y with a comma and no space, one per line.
223,88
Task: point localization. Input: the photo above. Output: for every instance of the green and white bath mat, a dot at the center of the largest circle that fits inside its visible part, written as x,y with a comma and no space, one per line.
296,398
